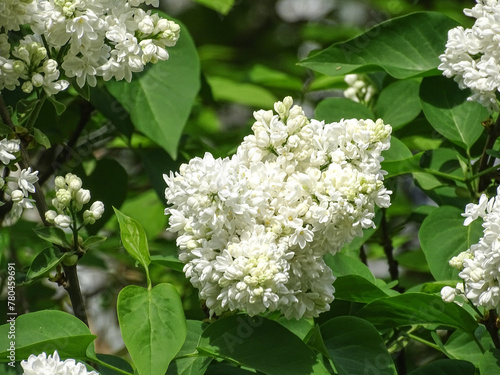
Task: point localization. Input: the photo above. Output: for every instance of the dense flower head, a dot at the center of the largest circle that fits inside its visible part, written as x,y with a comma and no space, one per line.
52,365
253,228
70,199
480,264
81,39
472,56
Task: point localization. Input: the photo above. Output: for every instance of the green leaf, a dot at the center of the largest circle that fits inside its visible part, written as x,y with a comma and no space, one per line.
397,151
446,367
4,129
114,361
417,308
92,242
404,47
45,262
41,138
356,347
398,104
168,261
111,108
257,342
159,100
490,361
399,167
107,172
336,109
266,76
149,211
84,91
443,236
299,327
460,346
358,289
224,89
59,107
344,265
190,364
443,160
46,331
53,235
449,112
221,6
153,326
134,239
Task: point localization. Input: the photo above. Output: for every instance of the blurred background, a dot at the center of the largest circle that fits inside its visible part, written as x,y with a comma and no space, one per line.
248,61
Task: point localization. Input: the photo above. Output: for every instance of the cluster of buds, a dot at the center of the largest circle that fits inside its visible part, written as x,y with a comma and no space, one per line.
70,199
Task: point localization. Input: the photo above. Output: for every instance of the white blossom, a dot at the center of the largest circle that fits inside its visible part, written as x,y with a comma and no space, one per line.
480,265
52,365
472,55
26,181
94,213
8,147
253,228
86,39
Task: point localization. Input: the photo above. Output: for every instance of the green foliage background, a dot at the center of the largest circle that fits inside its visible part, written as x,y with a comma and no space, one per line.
235,57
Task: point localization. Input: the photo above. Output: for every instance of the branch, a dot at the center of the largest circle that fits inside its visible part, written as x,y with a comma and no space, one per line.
491,325
72,285
485,161
389,249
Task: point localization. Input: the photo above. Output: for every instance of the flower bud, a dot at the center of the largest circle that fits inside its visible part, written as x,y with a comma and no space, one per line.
62,221
75,184
50,216
17,196
27,87
97,209
83,196
63,196
448,294
60,183
37,80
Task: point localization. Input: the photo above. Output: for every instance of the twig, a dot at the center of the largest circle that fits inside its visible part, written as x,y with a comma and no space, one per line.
485,160
491,325
72,285
388,248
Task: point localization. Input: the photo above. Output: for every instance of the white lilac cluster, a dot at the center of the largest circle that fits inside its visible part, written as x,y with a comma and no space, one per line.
83,39
18,187
253,228
359,90
70,199
52,365
480,265
472,56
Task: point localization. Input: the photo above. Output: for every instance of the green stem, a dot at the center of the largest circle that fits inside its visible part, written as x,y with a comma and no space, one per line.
484,172
111,367
444,175
423,341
